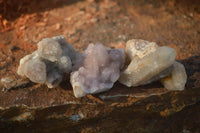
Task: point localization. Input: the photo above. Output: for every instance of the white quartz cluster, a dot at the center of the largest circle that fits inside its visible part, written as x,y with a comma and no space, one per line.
49,62
98,68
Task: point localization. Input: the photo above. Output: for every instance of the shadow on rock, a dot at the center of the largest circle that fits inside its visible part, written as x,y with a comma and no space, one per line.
192,66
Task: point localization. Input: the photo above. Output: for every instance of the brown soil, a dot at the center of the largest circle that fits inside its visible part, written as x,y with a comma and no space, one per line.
173,23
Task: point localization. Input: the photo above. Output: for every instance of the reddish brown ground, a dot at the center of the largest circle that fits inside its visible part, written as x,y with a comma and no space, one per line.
173,23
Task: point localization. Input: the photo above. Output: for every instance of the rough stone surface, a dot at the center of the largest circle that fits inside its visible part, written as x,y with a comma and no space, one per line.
147,61
49,63
177,79
140,48
99,70
150,63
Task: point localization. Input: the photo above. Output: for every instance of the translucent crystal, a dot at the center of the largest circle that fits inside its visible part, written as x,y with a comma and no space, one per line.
22,63
35,70
147,61
177,79
49,49
49,62
162,74
67,48
98,70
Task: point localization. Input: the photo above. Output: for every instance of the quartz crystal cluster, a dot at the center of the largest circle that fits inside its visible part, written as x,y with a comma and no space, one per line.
98,68
49,62
98,71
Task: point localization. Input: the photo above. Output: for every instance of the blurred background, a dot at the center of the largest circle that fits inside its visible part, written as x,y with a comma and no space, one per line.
112,22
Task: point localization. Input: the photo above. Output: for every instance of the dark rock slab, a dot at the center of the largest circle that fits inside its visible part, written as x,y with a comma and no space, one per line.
141,109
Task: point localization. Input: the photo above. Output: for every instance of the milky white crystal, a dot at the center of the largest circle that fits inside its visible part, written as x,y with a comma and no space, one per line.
177,79
49,62
140,48
97,71
146,61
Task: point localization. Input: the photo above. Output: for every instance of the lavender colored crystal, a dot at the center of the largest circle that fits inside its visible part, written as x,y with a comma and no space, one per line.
98,70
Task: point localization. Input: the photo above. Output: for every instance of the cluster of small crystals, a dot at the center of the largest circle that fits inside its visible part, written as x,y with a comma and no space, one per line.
98,71
49,62
98,68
